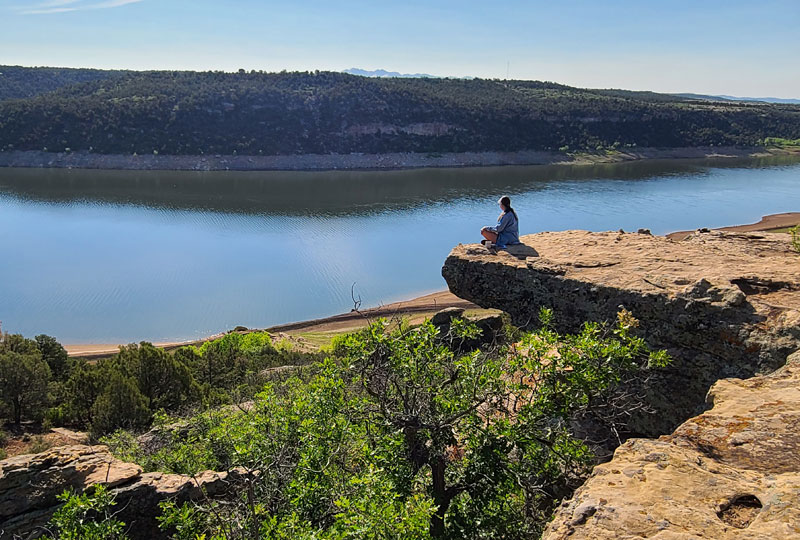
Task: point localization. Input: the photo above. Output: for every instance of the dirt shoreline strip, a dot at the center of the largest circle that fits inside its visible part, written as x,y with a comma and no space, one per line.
361,161
767,223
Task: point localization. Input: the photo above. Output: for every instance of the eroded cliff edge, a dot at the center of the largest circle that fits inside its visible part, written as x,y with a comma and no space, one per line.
723,304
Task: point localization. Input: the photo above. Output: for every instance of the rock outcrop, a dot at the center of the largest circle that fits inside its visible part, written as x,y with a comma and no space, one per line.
731,473
724,304
29,485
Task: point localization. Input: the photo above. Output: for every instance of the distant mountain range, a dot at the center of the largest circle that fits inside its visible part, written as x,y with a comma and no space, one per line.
790,101
396,74
384,73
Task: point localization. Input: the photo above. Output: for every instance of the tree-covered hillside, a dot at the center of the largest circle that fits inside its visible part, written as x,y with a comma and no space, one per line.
323,112
22,82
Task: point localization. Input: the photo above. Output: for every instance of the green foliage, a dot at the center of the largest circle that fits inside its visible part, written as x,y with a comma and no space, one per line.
128,388
38,445
178,448
54,354
781,142
120,404
323,112
795,232
83,387
398,436
3,442
24,376
21,82
87,516
163,380
399,433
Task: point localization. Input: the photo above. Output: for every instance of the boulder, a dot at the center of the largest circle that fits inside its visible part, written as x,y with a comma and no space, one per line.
730,473
443,317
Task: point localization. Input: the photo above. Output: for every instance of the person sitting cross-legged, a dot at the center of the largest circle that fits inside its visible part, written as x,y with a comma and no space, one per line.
506,232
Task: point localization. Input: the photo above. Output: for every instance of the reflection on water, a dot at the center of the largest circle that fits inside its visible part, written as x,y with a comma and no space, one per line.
125,255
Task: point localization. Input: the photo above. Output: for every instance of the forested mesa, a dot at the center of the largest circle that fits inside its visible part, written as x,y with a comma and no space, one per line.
256,113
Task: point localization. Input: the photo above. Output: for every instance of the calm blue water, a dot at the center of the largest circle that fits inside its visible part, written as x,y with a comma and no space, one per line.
119,256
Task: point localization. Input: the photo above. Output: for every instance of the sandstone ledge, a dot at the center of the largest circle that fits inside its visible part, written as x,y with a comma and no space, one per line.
30,483
724,304
731,473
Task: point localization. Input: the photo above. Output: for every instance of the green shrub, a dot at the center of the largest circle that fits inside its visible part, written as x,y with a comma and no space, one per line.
120,405
795,232
57,416
87,516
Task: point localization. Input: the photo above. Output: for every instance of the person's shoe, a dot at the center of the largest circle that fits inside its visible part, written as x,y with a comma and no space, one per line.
483,241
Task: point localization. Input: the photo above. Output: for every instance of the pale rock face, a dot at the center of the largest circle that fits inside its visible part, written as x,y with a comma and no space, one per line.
730,473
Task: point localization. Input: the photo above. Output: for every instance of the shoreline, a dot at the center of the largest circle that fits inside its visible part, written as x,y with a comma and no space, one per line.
366,162
419,306
767,223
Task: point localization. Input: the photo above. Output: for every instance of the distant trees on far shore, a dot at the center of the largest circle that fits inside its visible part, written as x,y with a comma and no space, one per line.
256,113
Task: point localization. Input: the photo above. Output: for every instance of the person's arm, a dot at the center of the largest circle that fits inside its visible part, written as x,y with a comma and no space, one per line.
504,222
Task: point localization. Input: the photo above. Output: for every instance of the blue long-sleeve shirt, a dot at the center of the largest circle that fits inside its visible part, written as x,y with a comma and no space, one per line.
507,230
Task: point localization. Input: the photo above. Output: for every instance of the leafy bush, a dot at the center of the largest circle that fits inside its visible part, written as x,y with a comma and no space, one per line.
795,232
86,516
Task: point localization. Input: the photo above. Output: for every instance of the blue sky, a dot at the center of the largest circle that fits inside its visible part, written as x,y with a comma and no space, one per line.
744,48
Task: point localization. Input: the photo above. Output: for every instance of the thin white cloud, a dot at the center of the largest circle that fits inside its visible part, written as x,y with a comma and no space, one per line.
56,3
63,6
112,4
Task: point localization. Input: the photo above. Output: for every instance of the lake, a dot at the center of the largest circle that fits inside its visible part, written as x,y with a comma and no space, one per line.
121,256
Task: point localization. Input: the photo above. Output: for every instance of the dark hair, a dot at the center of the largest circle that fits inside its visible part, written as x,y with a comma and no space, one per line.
506,202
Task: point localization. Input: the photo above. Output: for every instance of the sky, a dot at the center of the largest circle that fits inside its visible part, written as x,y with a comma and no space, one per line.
735,47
